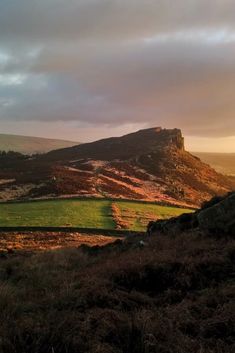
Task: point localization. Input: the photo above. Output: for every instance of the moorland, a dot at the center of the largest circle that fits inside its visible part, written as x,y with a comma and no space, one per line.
131,263
164,293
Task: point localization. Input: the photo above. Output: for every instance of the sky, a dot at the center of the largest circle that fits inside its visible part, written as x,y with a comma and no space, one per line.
87,69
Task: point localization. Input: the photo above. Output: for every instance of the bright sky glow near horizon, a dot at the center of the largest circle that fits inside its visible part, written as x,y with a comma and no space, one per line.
87,69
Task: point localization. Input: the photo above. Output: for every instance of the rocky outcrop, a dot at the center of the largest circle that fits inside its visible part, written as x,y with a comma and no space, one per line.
219,217
171,138
216,217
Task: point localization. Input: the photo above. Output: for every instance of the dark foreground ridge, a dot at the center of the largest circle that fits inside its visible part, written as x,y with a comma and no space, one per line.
216,216
165,293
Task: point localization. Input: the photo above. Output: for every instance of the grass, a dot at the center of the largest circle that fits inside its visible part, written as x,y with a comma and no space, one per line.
138,215
58,213
88,213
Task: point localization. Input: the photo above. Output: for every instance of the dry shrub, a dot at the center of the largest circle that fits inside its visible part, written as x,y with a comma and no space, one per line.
174,295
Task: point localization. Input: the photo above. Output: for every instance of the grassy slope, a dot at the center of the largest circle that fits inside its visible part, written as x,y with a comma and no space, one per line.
59,213
82,213
31,145
175,295
138,215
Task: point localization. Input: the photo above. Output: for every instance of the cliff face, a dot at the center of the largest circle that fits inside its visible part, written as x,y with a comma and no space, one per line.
159,137
166,138
149,164
177,139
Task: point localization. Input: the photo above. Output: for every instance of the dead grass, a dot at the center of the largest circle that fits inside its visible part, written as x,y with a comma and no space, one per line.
117,217
174,295
34,241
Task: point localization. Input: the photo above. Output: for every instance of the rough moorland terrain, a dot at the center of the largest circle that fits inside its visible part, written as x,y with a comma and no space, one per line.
171,292
149,165
25,241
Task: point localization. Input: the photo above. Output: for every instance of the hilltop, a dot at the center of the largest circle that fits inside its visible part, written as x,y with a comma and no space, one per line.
31,145
150,164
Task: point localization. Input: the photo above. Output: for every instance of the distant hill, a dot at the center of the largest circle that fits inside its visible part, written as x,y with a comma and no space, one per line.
222,162
149,165
31,145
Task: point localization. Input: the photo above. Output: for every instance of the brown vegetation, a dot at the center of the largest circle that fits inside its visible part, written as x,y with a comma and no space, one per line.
34,241
117,217
170,295
148,165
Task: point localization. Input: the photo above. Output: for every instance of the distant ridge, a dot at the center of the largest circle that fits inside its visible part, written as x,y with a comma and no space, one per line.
31,145
223,163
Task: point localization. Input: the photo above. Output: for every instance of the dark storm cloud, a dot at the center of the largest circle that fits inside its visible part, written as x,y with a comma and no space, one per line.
168,63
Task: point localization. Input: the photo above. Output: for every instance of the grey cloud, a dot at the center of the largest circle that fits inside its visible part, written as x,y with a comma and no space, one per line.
92,61
61,19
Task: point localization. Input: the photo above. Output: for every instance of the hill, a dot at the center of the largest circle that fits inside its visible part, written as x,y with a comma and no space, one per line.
223,163
31,145
143,294
149,164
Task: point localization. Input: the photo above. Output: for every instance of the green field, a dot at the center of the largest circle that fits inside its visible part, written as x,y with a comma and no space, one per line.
88,213
137,215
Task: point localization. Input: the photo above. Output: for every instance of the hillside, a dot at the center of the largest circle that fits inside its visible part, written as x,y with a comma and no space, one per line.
223,163
143,294
31,145
175,295
150,165
98,214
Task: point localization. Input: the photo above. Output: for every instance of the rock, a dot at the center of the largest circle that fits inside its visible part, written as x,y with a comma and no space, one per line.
173,225
141,244
219,217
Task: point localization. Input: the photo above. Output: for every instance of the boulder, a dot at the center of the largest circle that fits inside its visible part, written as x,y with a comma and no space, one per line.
216,216
219,217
